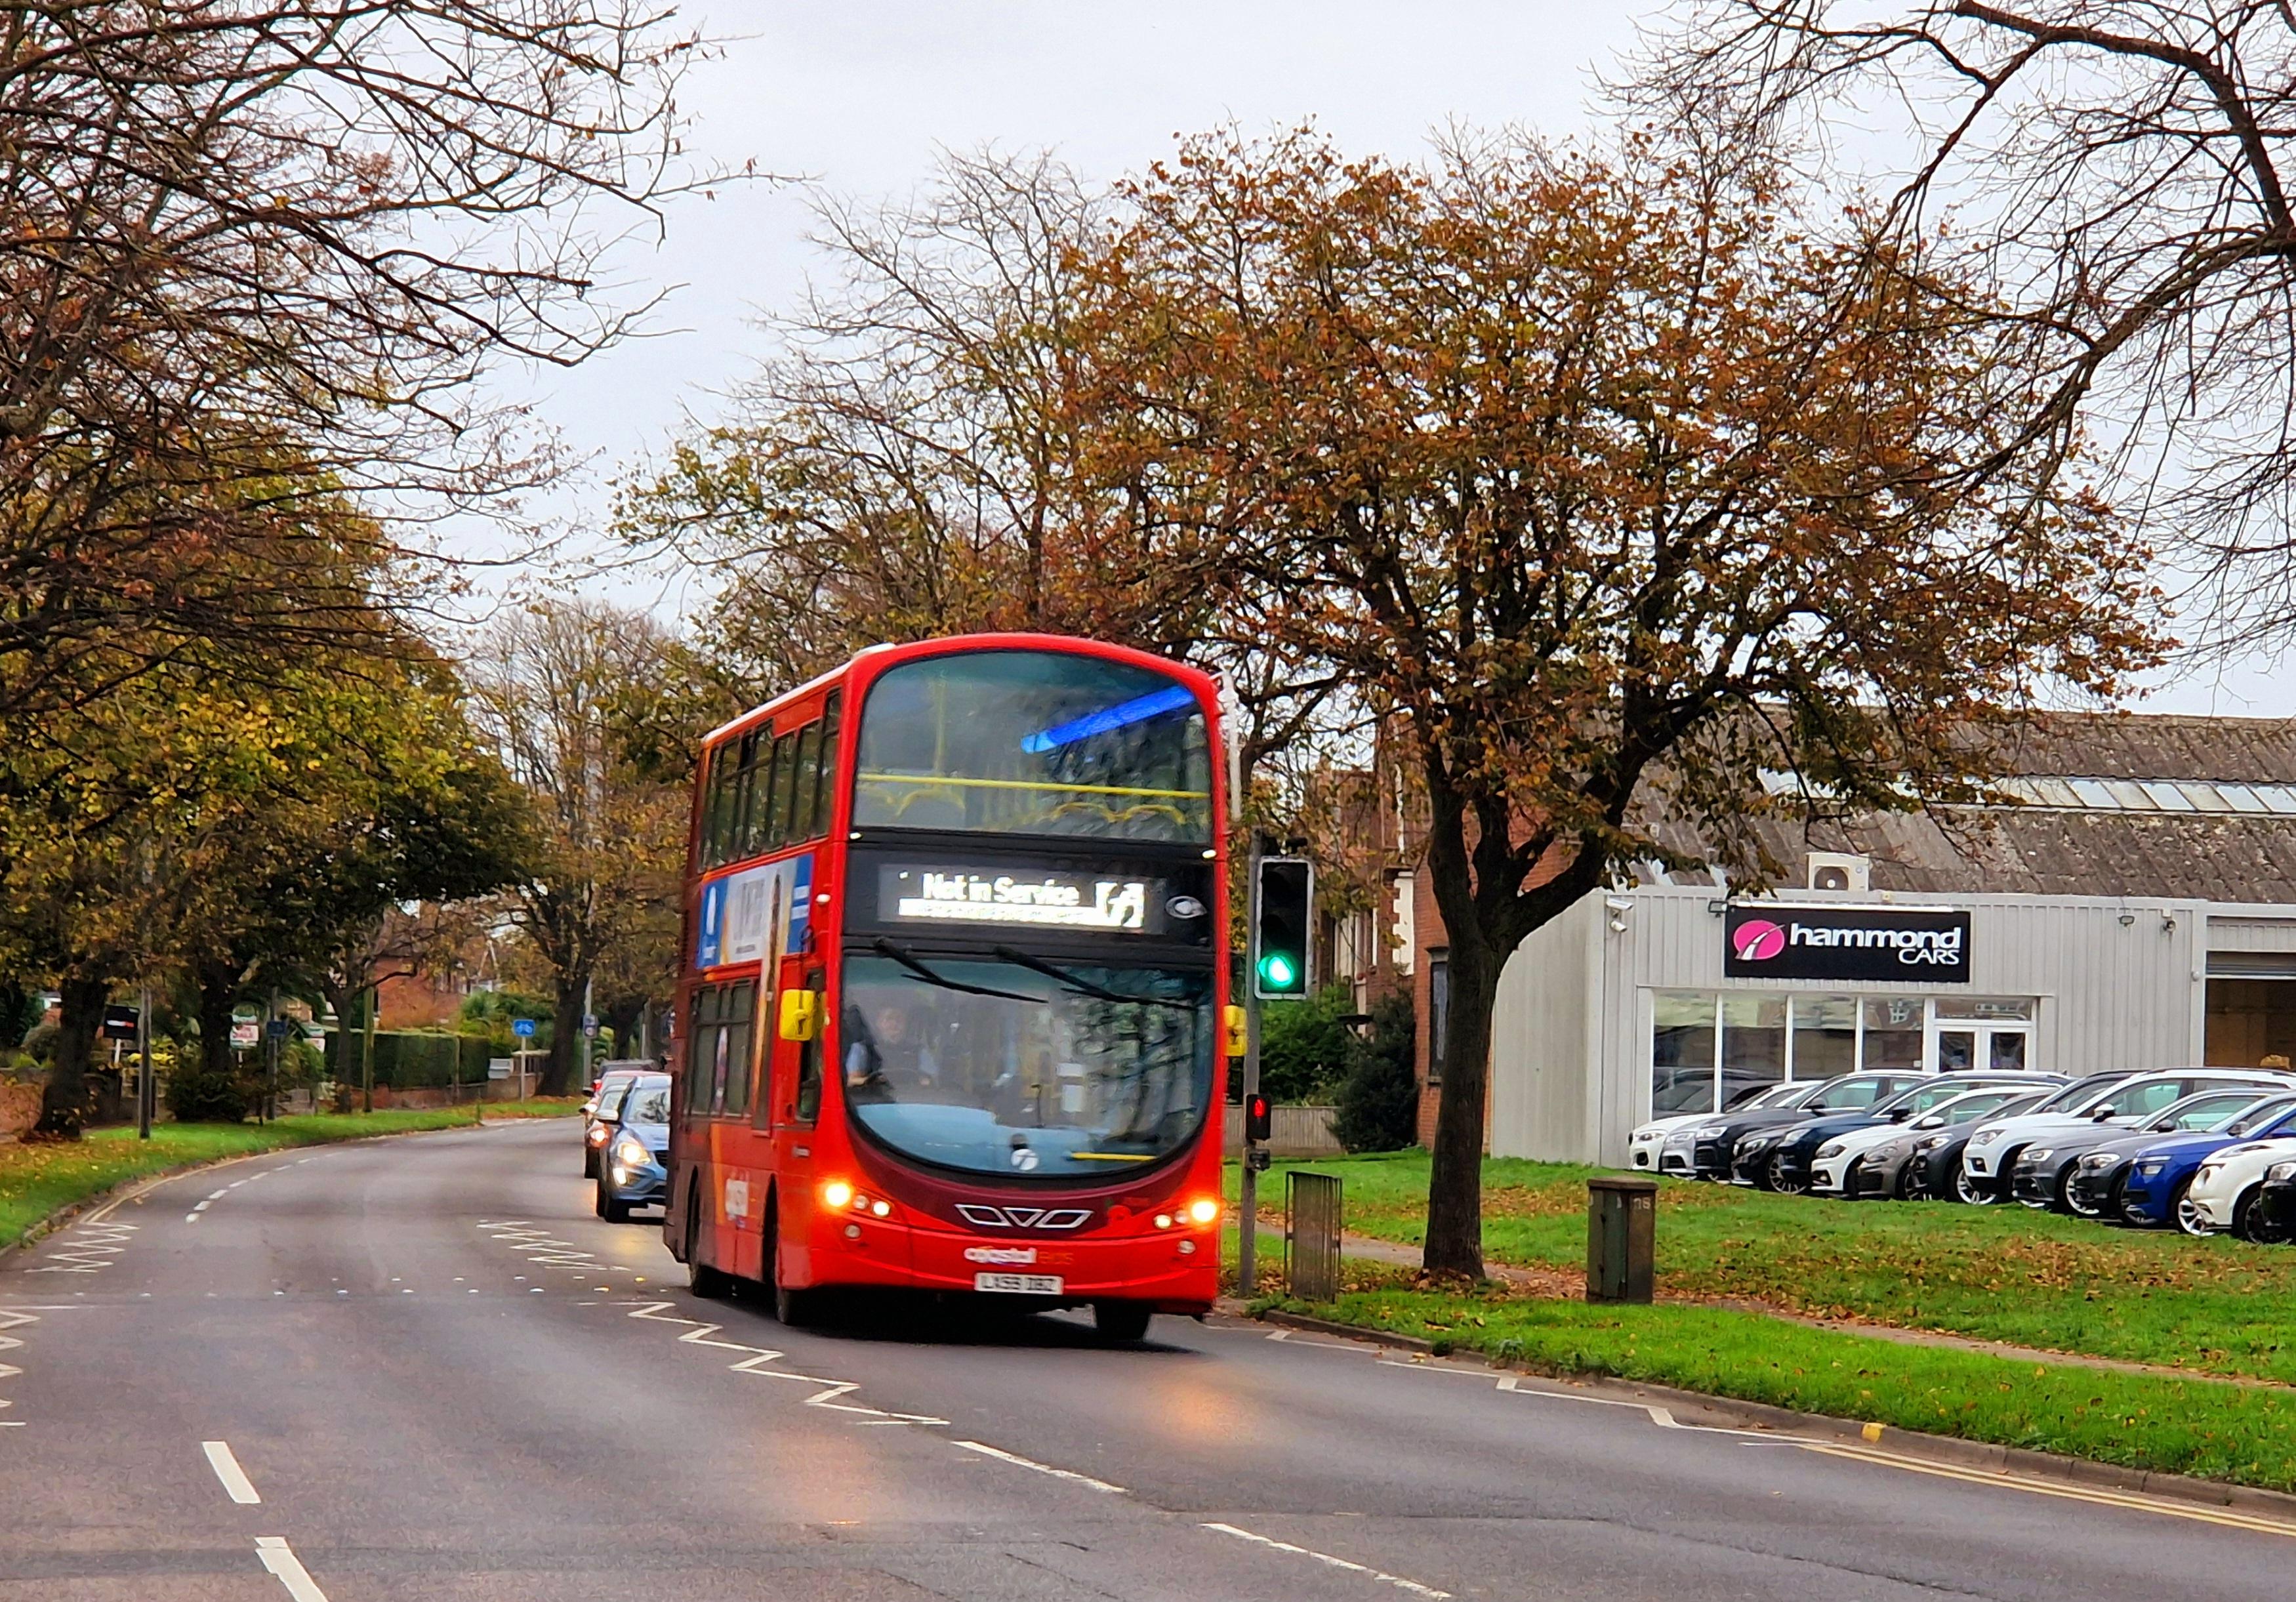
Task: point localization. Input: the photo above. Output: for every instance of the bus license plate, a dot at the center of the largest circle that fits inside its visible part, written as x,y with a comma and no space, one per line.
1018,1284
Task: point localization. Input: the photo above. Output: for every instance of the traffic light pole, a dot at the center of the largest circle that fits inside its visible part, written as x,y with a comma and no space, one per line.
1247,1227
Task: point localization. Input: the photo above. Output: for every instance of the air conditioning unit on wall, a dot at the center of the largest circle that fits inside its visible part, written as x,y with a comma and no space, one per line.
1838,870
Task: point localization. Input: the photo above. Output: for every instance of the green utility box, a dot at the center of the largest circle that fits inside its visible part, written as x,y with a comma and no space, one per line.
1621,1237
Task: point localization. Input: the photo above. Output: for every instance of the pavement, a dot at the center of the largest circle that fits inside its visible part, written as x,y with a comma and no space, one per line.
421,1369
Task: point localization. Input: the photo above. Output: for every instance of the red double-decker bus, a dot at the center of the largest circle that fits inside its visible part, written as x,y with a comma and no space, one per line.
954,1012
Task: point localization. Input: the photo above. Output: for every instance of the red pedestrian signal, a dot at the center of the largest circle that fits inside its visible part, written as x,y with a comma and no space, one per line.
1259,1118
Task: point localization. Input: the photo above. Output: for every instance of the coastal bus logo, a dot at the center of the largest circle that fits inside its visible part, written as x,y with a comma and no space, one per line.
1758,939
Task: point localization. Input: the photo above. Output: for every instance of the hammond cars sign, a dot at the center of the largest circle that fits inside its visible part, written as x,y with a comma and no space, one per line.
1922,946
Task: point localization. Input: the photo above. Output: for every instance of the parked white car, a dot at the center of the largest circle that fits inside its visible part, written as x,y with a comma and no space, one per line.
1832,1170
2223,1193
1645,1145
2121,1099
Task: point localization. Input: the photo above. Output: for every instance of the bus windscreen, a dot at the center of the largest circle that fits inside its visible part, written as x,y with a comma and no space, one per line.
1034,743
1024,1068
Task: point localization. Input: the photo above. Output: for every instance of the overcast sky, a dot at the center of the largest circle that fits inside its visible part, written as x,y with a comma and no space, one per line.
860,97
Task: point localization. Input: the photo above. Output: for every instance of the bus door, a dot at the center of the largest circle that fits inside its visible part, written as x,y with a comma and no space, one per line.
789,1107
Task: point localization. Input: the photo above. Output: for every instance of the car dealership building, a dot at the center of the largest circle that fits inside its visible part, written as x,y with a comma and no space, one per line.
2134,908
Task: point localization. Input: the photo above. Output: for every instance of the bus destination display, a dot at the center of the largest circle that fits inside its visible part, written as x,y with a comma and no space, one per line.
919,894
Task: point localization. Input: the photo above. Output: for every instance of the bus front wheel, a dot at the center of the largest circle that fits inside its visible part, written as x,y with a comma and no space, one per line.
1120,1320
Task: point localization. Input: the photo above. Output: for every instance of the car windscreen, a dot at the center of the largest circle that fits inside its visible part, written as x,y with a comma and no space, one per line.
649,1103
1849,1096
2079,1096
1034,1070
609,1098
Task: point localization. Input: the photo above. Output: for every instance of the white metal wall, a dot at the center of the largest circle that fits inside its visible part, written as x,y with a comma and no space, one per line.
2119,985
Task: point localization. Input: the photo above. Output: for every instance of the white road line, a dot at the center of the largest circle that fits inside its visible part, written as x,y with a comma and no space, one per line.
227,1469
280,1559
1085,1480
1397,1581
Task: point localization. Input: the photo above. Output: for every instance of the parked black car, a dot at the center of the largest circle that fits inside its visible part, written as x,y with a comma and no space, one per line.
2046,1171
1779,1159
1906,1169
2275,1202
1711,1152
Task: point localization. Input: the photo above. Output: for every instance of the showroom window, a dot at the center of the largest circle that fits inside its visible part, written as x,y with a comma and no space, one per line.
1708,1048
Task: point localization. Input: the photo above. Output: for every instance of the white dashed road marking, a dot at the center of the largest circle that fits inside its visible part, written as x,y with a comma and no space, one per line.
1015,1459
1397,1581
227,1469
280,1559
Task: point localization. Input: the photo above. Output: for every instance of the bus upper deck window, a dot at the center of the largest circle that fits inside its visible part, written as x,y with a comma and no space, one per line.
1034,743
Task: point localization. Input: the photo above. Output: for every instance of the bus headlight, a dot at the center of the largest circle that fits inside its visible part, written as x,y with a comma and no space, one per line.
838,1193
1203,1210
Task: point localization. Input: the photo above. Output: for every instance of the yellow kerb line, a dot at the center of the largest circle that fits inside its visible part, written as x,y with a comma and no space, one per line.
926,781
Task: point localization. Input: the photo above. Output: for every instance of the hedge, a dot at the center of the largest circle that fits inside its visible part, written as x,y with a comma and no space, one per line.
411,1059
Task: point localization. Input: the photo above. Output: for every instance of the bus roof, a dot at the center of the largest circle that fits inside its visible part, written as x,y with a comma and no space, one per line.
878,658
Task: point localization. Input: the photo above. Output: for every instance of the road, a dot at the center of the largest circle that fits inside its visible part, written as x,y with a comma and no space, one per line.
420,1368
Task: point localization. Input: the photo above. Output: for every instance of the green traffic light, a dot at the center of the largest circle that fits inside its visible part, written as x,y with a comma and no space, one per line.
1278,972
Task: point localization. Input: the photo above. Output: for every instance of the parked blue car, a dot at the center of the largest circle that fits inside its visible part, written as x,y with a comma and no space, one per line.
634,1167
2152,1188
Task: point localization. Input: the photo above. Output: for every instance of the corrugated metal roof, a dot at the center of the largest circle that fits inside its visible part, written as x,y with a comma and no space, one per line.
2114,849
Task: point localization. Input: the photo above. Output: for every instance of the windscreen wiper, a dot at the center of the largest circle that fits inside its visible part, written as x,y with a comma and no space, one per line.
907,959
1079,982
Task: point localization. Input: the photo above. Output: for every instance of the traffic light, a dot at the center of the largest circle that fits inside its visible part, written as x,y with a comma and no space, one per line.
1279,941
1259,1119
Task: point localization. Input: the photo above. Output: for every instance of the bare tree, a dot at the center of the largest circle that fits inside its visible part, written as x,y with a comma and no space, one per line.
604,880
2113,175
260,251
912,462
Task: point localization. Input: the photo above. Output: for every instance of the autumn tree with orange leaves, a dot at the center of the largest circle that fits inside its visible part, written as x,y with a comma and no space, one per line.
1616,485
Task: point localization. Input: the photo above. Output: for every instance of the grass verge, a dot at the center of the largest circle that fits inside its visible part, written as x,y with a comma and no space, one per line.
2205,1428
39,1179
2219,1306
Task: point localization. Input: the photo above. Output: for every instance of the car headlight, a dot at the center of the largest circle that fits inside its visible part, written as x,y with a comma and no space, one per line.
632,1154
1929,1142
1832,1148
1648,1131
1756,1143
2150,1167
2098,1160
2281,1170
2039,1154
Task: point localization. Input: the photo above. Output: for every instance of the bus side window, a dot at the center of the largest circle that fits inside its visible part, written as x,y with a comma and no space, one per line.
807,1104
825,792
700,1049
719,820
738,1056
784,772
802,820
744,831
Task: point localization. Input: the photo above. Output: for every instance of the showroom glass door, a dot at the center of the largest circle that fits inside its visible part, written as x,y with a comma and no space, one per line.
1962,1047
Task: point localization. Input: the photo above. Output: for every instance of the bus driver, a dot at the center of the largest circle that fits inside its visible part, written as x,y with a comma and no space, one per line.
886,1057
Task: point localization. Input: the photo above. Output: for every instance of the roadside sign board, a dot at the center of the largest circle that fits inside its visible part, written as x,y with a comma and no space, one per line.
523,1028
590,1023
246,1033
119,1023
278,1029
498,1067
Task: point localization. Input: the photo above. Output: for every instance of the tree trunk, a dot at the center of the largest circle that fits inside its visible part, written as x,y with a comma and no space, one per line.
218,993
561,1072
1455,1182
623,1020
64,1102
